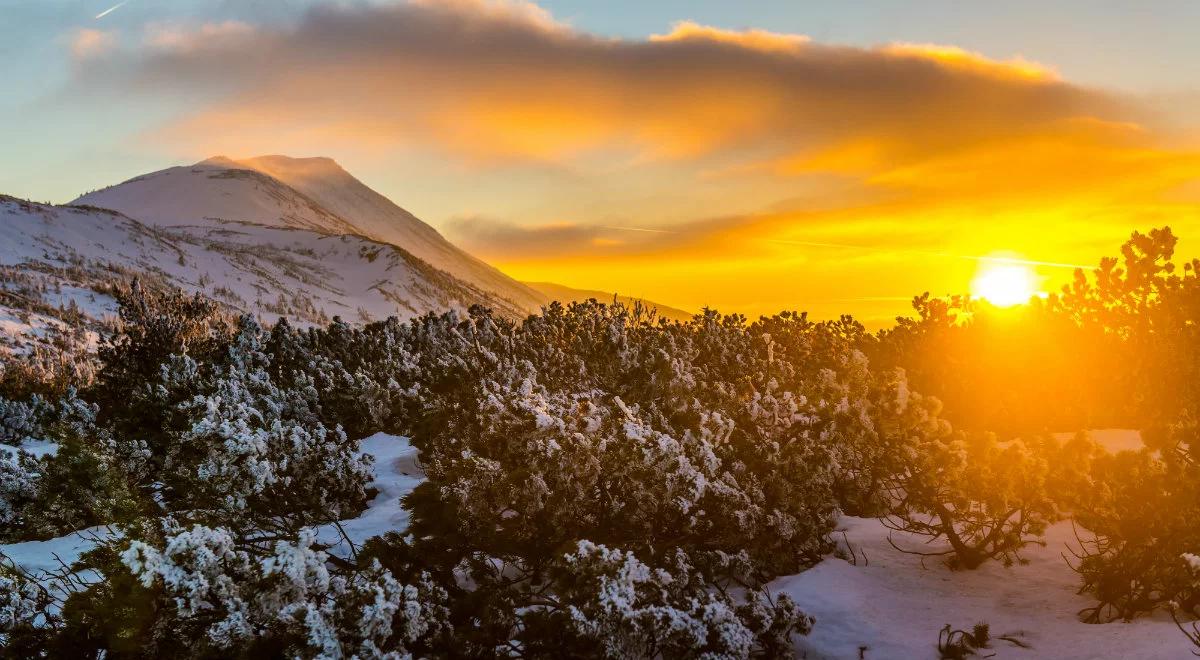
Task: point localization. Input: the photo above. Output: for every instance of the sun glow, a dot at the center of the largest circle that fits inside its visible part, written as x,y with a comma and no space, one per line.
1004,284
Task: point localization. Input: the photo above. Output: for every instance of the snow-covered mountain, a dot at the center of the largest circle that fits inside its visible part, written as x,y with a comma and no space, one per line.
58,262
273,235
315,194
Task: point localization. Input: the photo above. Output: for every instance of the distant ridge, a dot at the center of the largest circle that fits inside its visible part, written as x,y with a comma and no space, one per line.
565,294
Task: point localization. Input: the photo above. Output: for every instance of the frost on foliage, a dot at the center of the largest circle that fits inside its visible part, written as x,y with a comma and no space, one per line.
251,443
630,609
1193,562
19,472
290,594
24,605
21,420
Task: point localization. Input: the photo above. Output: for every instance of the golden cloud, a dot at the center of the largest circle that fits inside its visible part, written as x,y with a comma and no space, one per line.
797,147
754,39
493,81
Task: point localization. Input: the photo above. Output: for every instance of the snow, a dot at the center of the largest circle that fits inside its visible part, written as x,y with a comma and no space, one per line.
314,194
893,604
268,271
397,473
889,605
40,448
376,216
91,303
273,236
39,556
210,193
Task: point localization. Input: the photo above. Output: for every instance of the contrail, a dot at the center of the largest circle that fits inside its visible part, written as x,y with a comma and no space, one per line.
865,248
111,9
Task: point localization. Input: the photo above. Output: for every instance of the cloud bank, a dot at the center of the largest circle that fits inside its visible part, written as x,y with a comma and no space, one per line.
504,80
921,140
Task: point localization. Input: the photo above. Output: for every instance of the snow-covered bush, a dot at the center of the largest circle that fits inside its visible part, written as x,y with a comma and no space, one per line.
1191,631
229,595
21,420
203,437
1140,515
732,444
588,422
84,482
607,603
246,446
986,499
19,473
23,614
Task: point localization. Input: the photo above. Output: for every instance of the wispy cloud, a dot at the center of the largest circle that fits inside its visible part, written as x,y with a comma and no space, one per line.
87,43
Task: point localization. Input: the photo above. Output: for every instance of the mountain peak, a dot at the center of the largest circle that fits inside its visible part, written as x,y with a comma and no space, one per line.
271,163
218,161
313,193
311,166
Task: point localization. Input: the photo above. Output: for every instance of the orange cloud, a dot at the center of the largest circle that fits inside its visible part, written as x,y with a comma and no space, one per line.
493,81
955,57
786,164
755,39
87,42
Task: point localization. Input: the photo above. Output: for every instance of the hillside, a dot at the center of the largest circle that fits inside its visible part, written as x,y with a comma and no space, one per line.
565,294
308,276
315,194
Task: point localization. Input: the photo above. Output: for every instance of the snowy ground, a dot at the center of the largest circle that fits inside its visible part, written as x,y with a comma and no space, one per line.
894,606
396,473
888,606
891,606
37,557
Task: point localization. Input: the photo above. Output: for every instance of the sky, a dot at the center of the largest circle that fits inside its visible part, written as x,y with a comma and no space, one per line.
750,156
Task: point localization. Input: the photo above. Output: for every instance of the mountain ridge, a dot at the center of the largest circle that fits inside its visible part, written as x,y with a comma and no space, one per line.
315,193
269,271
565,294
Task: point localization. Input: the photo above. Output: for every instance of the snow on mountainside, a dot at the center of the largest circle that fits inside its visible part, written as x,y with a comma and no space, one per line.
212,192
307,193
60,257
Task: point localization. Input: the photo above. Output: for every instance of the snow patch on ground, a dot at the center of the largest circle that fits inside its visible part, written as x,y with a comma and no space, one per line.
892,605
397,473
40,448
42,556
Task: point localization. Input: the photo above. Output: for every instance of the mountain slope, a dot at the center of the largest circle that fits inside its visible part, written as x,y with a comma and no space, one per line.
376,216
212,192
268,271
308,193
566,294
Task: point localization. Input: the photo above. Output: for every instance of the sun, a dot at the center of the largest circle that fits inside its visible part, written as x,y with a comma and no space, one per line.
1004,284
